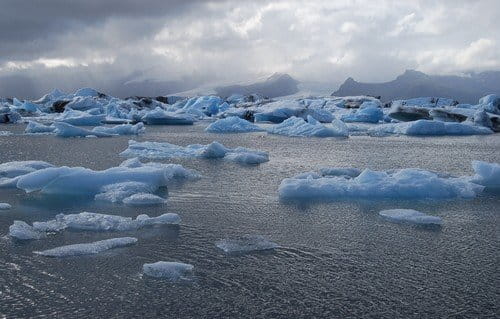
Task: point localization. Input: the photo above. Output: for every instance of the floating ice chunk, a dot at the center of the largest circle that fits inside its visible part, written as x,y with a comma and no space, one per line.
160,117
487,174
103,222
23,231
155,150
427,127
369,114
116,193
5,206
82,181
173,271
410,216
89,248
66,130
87,92
245,244
143,199
124,129
232,124
36,128
79,118
397,184
279,111
296,126
10,172
490,103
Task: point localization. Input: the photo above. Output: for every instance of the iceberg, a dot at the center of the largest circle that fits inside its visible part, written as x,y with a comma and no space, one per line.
82,181
367,114
123,129
296,126
10,172
245,244
102,222
487,174
22,231
155,150
5,206
37,128
159,116
79,118
428,127
173,271
232,124
87,249
410,216
406,183
67,130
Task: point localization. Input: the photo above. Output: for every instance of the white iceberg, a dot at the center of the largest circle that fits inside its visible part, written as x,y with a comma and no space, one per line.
155,150
79,118
232,124
88,248
296,126
5,206
407,183
143,199
367,114
410,216
123,129
245,244
172,271
67,130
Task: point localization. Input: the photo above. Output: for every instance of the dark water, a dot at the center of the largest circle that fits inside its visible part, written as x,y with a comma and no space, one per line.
338,260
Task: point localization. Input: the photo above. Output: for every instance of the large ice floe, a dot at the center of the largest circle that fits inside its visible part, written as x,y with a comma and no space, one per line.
245,244
88,222
170,270
428,127
410,216
410,183
296,126
115,184
214,150
87,248
232,124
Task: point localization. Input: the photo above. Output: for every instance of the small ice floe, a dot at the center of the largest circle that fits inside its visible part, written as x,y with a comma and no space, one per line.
103,222
10,172
88,248
232,124
155,150
38,128
5,206
409,183
245,244
21,230
66,130
296,126
487,174
173,271
410,216
144,199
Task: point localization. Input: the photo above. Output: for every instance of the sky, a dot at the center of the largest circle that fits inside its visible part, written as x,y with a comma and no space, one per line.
113,44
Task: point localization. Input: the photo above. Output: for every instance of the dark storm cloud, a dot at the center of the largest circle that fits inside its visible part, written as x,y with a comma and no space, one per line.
115,44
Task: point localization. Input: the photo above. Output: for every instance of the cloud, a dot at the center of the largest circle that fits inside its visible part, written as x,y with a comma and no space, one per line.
105,44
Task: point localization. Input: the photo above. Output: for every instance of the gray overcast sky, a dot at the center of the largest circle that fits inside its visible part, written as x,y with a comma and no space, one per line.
68,44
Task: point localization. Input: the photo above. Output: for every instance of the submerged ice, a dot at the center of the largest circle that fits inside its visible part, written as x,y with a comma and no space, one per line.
410,216
173,271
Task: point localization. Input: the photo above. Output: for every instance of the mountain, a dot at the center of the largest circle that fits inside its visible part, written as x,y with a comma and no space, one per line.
276,85
411,84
